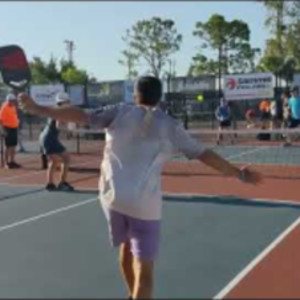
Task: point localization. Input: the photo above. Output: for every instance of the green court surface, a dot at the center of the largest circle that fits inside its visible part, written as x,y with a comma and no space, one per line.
55,245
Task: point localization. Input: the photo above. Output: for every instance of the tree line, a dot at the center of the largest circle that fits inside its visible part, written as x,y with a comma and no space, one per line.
153,43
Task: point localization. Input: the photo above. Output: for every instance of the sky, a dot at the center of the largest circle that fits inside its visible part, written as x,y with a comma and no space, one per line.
96,28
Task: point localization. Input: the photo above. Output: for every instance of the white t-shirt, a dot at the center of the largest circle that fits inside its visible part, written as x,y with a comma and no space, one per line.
273,109
134,155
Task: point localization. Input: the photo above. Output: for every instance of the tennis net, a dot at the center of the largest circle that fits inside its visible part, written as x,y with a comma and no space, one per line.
265,150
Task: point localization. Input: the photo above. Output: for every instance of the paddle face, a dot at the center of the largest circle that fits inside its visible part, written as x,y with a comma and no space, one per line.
14,67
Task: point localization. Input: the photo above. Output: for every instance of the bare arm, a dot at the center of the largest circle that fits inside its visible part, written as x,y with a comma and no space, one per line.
215,161
64,114
192,149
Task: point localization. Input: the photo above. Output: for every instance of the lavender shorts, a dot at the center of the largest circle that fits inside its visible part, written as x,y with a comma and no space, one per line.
143,235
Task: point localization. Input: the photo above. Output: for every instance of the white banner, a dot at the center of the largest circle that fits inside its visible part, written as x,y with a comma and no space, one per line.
76,93
45,94
192,84
248,86
128,91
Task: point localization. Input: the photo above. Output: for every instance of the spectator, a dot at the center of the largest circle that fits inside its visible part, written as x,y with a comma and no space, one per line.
223,115
265,116
286,109
10,122
55,151
250,119
294,105
273,114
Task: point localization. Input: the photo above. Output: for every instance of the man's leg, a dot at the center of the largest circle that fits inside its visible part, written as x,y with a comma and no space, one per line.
13,141
118,232
64,185
126,266
143,283
6,155
145,236
12,154
292,124
219,135
65,166
54,161
8,147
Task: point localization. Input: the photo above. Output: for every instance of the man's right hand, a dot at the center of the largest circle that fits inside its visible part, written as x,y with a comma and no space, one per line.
250,176
27,104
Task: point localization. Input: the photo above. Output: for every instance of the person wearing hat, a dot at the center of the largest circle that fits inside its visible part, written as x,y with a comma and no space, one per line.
55,151
10,122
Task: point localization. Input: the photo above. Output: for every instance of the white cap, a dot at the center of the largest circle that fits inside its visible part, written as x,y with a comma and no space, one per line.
11,97
62,97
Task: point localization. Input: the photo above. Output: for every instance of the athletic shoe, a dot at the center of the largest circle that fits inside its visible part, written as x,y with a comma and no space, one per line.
14,165
65,186
51,187
8,166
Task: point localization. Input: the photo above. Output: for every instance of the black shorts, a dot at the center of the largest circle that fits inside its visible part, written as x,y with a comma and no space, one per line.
11,137
280,116
274,118
52,147
293,123
265,116
50,144
226,123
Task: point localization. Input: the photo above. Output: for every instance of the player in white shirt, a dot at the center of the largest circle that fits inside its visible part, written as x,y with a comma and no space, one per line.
140,138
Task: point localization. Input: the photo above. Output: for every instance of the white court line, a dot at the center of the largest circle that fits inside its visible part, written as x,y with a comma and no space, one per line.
232,197
247,152
12,185
47,214
226,289
40,171
239,277
180,195
261,148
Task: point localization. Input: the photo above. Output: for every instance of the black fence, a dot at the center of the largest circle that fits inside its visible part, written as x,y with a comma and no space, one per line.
195,114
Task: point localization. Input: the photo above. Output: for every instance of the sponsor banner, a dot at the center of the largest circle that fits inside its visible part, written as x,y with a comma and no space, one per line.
76,93
45,94
192,84
128,91
248,86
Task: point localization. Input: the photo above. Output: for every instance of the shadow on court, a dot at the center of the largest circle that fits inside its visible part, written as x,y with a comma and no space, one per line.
9,192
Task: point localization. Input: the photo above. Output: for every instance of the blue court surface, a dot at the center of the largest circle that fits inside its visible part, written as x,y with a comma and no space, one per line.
272,155
55,245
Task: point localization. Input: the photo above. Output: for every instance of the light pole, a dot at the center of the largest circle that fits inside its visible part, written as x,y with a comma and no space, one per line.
70,48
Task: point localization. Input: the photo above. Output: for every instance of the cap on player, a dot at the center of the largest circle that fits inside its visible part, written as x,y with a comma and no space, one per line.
11,97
